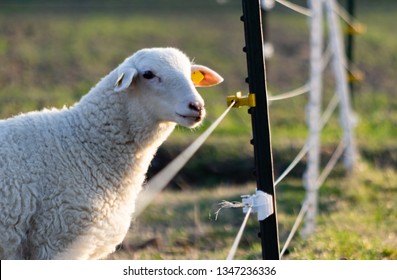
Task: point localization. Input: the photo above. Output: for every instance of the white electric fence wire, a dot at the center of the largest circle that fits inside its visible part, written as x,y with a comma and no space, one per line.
228,204
344,15
295,7
326,58
323,120
306,87
320,181
328,111
161,179
298,221
233,249
292,165
293,93
331,164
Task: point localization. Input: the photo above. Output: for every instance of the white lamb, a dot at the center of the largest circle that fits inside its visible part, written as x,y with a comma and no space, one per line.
69,178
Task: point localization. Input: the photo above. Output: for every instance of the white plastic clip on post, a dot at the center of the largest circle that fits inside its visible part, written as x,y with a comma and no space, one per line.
261,203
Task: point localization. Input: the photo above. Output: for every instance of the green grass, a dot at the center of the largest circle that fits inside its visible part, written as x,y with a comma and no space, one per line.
357,221
51,55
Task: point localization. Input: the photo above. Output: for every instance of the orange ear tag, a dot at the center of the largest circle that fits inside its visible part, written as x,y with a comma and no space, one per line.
197,77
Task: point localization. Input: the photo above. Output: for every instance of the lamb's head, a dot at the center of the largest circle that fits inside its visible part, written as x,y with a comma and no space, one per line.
164,79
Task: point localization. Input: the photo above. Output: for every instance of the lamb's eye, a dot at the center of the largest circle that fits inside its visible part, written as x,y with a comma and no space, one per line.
148,75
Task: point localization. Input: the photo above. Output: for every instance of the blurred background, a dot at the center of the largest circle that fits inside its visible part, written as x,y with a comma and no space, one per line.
53,52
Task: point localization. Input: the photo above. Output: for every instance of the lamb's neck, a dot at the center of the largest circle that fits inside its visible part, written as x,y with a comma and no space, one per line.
121,133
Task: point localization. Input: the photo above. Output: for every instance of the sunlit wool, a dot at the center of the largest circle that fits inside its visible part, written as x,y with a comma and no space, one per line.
69,178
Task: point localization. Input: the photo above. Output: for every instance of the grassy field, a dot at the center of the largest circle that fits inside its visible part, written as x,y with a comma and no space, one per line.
52,53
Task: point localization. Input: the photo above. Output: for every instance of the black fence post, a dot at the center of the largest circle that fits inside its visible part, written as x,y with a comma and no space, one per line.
350,45
260,123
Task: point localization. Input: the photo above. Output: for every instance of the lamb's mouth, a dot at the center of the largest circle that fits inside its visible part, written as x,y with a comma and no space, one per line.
192,118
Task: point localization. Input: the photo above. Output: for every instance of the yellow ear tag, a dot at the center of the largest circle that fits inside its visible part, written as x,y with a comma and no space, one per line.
197,77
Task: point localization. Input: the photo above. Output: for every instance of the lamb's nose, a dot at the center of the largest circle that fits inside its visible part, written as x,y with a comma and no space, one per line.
196,106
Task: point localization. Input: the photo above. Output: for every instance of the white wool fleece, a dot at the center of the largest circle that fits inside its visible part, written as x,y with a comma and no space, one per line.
69,178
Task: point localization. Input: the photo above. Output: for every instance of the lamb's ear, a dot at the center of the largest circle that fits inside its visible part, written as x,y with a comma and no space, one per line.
205,77
125,78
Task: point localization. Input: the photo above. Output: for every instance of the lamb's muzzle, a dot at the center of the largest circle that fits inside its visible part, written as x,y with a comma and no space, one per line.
196,106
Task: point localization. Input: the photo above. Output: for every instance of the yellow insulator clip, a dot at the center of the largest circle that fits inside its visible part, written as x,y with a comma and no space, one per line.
241,101
356,29
355,76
